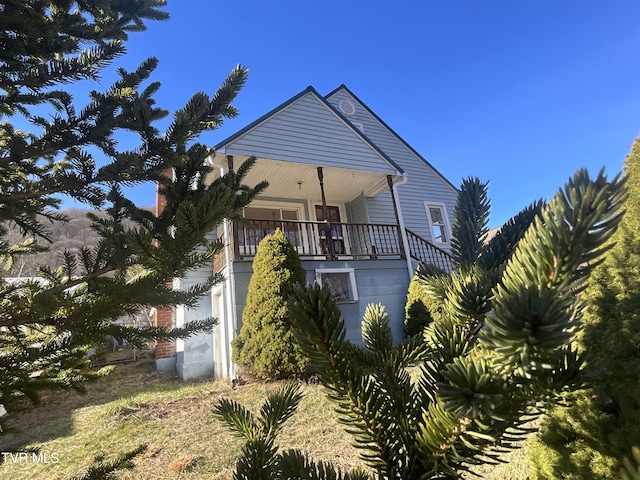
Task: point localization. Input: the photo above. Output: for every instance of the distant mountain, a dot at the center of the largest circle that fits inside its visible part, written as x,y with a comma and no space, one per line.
75,233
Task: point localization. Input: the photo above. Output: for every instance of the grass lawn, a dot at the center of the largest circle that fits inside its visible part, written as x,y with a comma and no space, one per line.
135,405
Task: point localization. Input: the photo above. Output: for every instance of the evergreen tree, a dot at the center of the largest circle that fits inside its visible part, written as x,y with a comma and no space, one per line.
266,342
591,436
48,324
487,359
416,313
479,263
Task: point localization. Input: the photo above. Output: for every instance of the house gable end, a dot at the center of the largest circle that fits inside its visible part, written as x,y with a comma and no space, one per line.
334,97
306,129
424,183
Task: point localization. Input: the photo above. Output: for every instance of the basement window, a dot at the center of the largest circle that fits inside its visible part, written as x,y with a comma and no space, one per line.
341,283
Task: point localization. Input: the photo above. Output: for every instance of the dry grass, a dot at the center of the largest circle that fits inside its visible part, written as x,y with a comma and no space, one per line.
182,464
137,405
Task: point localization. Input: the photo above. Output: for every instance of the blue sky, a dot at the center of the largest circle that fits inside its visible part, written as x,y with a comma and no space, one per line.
518,93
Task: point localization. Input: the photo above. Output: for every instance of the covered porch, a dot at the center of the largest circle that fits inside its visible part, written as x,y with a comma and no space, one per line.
323,212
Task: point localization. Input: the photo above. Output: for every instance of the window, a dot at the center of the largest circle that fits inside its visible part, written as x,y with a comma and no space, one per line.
265,220
341,283
264,213
438,221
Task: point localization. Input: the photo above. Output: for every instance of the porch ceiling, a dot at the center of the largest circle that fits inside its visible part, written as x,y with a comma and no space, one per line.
295,180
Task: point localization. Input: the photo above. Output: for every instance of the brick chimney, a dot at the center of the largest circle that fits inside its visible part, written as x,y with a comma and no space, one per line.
165,353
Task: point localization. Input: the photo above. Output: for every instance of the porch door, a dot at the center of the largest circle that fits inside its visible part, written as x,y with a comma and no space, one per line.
263,221
337,236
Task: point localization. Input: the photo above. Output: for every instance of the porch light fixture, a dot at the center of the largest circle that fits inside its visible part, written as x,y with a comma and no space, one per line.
299,182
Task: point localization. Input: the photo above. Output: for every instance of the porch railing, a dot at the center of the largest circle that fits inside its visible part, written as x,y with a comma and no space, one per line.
348,240
324,240
426,252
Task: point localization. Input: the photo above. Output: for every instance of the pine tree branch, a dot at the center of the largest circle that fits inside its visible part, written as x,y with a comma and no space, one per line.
74,151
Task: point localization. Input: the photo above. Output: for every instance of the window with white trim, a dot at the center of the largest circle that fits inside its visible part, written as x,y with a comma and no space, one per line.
341,283
438,222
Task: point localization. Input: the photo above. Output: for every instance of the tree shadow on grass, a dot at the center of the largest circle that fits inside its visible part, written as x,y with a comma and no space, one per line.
53,417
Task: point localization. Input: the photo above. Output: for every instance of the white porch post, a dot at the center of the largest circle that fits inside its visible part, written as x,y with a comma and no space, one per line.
403,230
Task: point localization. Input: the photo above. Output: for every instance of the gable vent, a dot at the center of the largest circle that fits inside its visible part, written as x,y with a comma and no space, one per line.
358,125
347,107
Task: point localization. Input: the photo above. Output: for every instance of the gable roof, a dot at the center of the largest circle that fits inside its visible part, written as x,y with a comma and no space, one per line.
343,87
353,133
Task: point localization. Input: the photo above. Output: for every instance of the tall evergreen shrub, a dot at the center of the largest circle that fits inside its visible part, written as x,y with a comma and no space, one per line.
416,311
591,437
266,342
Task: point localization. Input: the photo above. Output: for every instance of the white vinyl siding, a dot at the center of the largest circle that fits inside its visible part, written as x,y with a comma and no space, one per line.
380,208
357,210
308,132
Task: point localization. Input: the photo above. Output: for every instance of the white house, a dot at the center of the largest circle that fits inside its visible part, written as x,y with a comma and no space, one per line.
359,204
